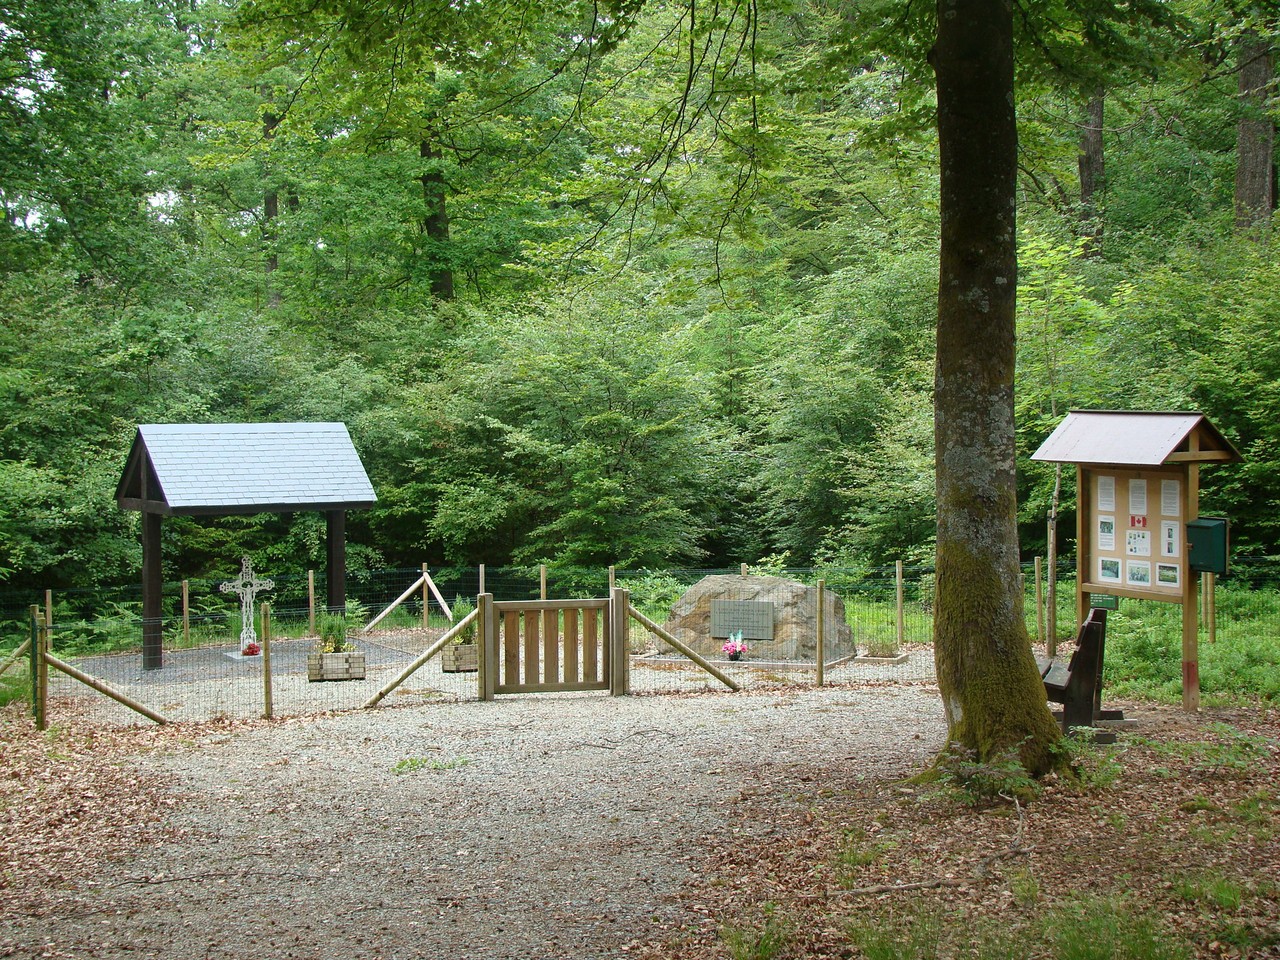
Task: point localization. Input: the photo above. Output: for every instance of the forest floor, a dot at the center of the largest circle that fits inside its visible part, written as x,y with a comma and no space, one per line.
773,823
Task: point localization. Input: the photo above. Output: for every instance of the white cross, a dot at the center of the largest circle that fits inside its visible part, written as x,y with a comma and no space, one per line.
248,587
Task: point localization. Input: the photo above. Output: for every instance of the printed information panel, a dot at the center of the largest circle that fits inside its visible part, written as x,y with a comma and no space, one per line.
1137,531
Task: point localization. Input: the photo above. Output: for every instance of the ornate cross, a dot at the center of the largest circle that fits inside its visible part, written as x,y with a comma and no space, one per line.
248,587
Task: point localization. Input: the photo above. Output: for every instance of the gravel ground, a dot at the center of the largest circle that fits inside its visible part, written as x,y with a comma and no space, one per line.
537,827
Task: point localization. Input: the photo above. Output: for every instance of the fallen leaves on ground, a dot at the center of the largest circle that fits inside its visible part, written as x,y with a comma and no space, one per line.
1177,825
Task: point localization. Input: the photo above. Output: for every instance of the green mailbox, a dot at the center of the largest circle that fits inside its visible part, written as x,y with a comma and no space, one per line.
1207,544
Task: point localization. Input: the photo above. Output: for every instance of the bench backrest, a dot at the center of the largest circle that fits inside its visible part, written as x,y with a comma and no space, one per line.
1086,663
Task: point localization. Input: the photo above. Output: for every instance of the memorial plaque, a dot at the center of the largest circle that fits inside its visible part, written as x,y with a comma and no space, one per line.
752,618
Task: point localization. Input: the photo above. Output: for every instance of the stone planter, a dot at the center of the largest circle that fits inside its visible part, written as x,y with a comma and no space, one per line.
335,666
460,658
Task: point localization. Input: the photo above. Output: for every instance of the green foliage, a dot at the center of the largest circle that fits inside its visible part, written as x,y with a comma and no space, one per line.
1087,928
919,937
463,608
693,314
1226,751
15,685
1144,649
1102,929
981,783
1091,765
415,764
332,632
764,941
857,850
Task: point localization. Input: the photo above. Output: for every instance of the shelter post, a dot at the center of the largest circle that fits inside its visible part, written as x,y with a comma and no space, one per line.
152,587
337,561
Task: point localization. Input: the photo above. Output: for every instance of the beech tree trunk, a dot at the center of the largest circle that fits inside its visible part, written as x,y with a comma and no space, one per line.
991,690
436,224
270,210
1092,164
1255,137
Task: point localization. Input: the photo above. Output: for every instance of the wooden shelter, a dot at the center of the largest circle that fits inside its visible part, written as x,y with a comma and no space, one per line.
1138,493
216,469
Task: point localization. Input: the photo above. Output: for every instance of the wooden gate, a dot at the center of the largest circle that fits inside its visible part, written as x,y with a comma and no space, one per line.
548,646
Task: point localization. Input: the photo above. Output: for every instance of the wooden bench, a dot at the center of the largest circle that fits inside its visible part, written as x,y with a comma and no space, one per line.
1077,684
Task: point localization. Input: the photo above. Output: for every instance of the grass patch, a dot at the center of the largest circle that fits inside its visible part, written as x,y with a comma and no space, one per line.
15,685
763,941
414,764
1096,928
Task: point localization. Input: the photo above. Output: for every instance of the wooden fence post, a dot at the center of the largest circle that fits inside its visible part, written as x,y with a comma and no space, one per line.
39,670
266,661
426,599
1211,605
542,581
1039,603
902,617
186,614
311,603
487,637
481,590
1051,611
821,640
613,578
742,571
48,617
619,643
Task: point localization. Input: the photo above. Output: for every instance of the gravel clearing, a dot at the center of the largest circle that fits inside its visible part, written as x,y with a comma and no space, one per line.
571,826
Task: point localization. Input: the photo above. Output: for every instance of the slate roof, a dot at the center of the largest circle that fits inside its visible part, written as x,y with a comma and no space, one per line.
1135,439
220,468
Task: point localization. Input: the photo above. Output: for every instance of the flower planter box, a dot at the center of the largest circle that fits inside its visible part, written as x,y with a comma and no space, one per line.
460,658
335,666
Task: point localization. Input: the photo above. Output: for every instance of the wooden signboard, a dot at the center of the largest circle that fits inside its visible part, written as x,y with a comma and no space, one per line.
1134,546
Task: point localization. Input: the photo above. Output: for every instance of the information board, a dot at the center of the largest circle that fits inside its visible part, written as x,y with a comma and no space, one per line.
1136,541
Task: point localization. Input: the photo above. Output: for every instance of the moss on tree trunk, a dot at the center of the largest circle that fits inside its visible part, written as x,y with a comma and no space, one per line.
991,690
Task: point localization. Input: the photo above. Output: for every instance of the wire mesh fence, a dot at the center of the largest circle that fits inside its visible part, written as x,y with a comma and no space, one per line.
877,629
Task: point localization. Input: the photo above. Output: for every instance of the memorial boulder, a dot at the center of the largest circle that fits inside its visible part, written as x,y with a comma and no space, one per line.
778,618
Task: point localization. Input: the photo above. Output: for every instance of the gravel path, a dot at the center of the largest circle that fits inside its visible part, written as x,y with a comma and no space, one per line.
552,827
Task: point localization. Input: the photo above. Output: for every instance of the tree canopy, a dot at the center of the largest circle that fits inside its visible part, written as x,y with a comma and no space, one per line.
643,284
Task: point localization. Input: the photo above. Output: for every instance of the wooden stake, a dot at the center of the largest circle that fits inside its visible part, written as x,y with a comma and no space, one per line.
413,588
17,655
1039,603
48,617
902,617
662,634
1211,604
186,614
426,600
38,670
1190,620
821,639
743,570
311,603
426,655
542,580
613,579
104,689
266,661
619,647
487,634
481,578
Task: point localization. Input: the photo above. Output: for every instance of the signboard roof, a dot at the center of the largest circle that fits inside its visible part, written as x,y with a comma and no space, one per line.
1135,439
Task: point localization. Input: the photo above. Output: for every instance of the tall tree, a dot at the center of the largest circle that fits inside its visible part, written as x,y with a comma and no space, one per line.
991,691
1255,134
